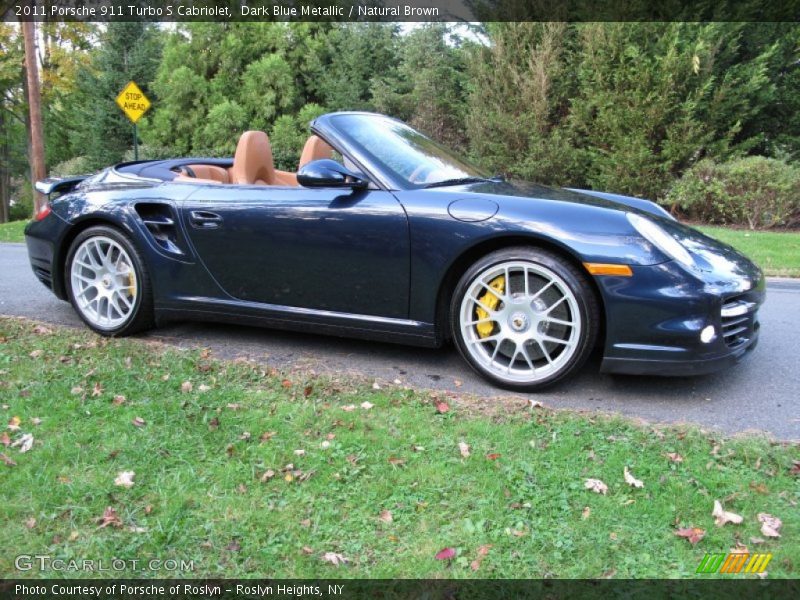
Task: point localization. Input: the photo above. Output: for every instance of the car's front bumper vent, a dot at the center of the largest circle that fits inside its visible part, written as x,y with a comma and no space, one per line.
44,275
739,322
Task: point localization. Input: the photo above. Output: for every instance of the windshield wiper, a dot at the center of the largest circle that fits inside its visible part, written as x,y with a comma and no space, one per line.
457,181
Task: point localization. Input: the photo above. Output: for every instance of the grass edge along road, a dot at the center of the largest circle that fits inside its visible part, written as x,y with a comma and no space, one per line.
129,449
777,253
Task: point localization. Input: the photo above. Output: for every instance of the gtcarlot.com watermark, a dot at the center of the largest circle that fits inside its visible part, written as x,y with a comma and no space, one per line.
45,562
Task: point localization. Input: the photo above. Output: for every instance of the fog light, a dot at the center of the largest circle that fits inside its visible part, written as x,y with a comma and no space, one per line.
708,334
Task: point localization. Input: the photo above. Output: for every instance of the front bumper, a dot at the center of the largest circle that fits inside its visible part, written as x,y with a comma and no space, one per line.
655,319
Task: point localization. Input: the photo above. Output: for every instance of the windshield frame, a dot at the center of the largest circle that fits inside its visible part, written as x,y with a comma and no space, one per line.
332,127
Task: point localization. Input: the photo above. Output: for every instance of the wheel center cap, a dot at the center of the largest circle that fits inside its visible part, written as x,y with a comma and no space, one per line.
106,281
519,321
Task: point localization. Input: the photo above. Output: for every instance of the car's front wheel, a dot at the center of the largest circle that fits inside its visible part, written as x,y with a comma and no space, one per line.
524,318
107,282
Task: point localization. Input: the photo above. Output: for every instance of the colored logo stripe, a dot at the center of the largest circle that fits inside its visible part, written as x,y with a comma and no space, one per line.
734,562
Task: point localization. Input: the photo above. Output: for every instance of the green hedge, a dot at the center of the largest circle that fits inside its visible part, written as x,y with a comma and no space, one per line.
755,192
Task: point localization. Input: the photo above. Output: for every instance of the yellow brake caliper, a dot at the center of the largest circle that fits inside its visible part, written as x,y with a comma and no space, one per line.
491,300
131,284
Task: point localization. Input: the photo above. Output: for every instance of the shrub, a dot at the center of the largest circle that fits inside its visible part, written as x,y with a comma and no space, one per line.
79,165
754,191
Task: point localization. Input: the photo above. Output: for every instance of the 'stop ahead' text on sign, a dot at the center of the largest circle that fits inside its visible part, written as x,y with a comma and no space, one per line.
133,102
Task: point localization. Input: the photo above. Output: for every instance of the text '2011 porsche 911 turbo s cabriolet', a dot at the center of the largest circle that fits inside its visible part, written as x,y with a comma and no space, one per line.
383,233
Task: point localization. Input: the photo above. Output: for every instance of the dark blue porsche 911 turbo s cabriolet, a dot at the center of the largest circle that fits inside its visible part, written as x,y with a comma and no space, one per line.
384,234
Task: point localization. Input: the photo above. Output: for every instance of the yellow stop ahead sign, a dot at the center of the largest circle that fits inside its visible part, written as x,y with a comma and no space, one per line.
133,102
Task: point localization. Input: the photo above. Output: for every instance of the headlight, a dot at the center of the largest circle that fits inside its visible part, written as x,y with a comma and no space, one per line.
661,239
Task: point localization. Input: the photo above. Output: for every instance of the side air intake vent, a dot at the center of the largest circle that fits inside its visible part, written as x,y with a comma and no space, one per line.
160,222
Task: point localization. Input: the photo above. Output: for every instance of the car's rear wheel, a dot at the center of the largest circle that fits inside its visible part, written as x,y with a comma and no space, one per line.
107,282
524,318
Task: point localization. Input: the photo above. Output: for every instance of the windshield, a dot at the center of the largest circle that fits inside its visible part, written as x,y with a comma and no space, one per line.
405,153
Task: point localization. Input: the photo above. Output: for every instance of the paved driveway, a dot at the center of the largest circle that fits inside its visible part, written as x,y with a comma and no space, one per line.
763,393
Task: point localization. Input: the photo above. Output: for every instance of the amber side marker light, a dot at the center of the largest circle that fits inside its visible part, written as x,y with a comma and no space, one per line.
603,269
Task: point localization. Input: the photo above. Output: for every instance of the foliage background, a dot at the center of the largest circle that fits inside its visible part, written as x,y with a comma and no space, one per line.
626,107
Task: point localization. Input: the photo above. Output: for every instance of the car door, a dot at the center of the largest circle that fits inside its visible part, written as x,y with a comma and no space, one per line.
330,249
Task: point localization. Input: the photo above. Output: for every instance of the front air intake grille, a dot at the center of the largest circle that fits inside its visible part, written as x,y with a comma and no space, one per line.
738,317
44,276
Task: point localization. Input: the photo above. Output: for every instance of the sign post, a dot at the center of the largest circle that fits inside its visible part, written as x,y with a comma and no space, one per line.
134,104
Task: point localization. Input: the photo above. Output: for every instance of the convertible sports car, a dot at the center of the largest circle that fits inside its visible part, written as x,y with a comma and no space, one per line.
384,234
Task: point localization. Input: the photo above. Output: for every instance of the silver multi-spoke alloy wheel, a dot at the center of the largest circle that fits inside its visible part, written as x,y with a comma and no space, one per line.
524,317
104,282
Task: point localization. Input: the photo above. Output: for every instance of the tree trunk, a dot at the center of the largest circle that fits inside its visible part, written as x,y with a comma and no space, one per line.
5,192
35,107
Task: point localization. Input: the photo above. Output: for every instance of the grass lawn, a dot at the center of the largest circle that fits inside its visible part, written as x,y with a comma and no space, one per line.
250,473
777,253
13,231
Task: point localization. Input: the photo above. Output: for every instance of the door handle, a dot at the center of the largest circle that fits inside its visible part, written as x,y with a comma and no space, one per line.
205,219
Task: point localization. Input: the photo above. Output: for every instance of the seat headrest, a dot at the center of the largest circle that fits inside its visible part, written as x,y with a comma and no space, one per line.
315,149
252,163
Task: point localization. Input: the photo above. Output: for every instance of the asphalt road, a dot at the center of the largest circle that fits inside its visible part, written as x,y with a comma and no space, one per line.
760,394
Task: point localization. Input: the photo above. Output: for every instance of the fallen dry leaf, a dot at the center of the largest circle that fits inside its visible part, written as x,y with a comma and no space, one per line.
493,456
7,461
349,407
97,389
445,554
674,457
393,460
30,523
586,512
76,390
286,383
24,443
367,405
376,386
125,479
335,558
213,424
693,534
268,474
299,452
14,423
463,447
267,436
795,468
110,517
722,516
769,525
186,387
4,439
482,552
138,422
234,546
535,404
757,540
119,400
308,550
203,388
386,516
740,548
35,354
631,480
137,529
596,486
42,330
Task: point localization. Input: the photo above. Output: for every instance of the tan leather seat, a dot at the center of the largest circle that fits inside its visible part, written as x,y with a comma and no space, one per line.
252,163
315,149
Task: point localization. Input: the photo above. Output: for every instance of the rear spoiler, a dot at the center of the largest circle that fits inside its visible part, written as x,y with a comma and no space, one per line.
60,185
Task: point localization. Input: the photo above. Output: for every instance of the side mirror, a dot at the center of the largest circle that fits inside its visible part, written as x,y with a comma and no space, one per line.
329,173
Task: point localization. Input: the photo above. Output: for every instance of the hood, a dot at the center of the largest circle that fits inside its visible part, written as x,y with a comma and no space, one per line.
524,189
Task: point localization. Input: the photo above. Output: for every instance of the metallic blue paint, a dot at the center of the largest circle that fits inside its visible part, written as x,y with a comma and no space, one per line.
378,263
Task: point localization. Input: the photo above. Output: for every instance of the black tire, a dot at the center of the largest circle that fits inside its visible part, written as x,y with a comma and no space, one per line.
141,316
588,311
